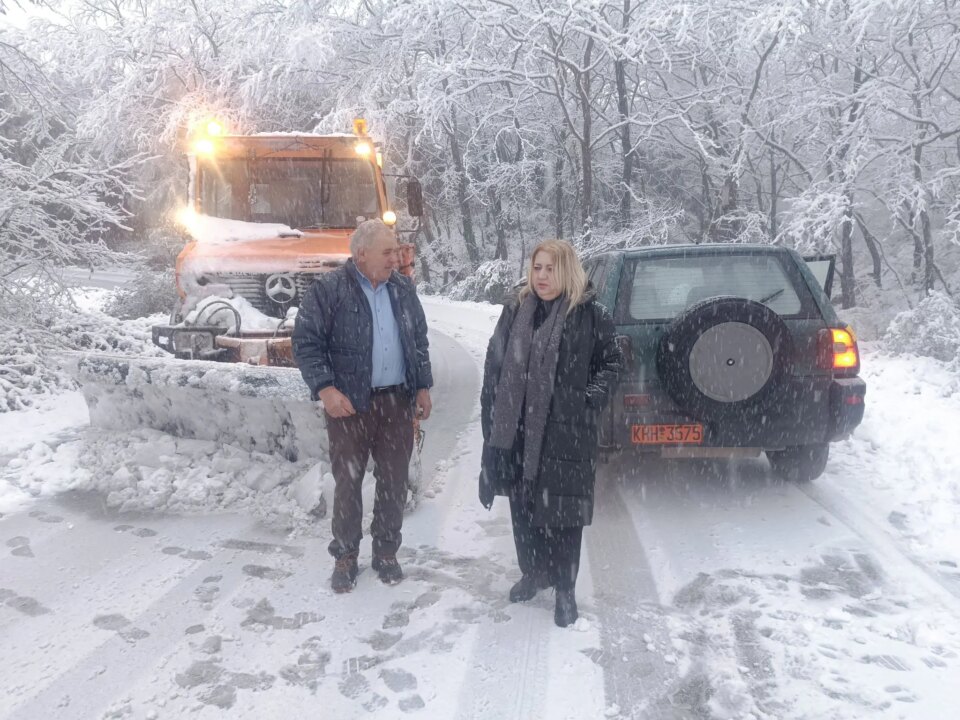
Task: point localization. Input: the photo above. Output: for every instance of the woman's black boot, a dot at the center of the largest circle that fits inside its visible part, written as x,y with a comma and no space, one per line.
565,612
527,587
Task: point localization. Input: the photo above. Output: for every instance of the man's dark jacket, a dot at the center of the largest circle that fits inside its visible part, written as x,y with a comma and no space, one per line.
587,368
333,335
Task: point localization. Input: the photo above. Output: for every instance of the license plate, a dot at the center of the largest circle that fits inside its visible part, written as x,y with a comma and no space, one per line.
668,434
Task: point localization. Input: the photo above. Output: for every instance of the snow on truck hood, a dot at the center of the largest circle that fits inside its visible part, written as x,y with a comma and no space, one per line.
207,229
234,246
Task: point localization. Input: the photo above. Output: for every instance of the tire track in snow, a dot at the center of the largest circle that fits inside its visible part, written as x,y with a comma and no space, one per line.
715,534
912,571
509,672
454,394
126,591
509,659
628,607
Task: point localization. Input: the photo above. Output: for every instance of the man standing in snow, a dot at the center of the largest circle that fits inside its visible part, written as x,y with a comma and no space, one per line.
360,342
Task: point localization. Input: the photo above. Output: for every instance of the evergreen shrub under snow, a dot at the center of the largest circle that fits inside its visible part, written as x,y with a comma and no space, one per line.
931,329
493,281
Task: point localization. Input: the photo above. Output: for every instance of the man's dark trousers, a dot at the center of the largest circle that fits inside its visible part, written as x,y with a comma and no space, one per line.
385,431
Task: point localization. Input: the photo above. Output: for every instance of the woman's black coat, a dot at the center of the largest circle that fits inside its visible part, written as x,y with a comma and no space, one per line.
587,367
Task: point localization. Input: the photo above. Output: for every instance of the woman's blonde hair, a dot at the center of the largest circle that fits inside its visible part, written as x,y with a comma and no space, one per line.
566,266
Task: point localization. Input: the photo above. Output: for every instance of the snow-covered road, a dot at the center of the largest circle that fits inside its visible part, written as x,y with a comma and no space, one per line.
707,591
90,278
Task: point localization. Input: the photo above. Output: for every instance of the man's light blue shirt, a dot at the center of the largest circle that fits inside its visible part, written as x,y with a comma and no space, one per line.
388,364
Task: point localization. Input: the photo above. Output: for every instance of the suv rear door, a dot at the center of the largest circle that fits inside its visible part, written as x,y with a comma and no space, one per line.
657,287
822,267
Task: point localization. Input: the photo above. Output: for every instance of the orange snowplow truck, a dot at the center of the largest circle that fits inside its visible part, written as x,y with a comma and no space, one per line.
266,214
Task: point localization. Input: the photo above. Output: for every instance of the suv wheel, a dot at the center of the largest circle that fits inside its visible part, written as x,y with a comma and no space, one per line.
800,464
721,358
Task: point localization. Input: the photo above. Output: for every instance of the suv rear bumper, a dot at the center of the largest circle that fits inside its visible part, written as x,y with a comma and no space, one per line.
846,407
808,410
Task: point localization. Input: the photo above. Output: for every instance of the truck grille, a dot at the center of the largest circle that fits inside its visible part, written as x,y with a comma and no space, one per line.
252,287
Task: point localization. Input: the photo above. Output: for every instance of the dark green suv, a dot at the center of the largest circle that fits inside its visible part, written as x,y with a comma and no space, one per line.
730,350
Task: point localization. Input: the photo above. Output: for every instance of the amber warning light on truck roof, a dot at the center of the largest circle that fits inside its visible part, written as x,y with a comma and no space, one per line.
204,144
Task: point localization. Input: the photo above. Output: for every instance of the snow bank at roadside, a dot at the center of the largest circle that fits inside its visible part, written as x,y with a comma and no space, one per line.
903,462
150,470
813,643
29,369
932,329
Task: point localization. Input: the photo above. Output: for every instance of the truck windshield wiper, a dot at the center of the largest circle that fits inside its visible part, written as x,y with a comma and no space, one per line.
771,296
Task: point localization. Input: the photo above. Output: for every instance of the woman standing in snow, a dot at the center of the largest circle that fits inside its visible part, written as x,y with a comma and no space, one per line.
549,367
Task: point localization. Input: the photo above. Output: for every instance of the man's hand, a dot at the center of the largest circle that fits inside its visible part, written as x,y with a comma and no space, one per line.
424,404
336,404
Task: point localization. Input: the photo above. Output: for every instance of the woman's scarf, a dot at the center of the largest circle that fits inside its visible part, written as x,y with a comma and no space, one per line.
527,376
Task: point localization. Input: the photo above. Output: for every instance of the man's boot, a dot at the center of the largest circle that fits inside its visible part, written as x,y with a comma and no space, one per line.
527,587
565,612
388,569
344,576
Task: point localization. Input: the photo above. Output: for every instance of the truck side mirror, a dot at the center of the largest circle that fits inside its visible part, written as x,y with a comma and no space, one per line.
414,198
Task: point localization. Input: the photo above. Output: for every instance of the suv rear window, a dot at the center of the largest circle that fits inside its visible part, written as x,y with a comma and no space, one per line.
663,287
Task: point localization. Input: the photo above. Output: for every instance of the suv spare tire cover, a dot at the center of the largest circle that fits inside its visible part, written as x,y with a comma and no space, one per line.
721,358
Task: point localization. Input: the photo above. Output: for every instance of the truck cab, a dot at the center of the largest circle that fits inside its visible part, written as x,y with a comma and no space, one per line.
267,213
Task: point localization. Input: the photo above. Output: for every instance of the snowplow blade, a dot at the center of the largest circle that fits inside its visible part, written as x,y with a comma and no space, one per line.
265,409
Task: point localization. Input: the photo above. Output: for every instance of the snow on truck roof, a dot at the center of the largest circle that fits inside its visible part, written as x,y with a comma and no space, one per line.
297,134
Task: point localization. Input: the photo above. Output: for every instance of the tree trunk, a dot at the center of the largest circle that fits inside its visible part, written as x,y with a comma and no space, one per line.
558,188
774,228
848,297
623,106
586,152
925,237
431,242
469,239
496,207
873,247
929,270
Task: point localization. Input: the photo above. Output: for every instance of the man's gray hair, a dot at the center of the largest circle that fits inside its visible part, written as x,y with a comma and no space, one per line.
366,233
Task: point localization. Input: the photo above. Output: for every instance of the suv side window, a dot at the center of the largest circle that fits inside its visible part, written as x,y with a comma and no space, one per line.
590,267
599,277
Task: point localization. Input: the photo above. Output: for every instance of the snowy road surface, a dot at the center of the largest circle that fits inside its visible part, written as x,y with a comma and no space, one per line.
106,279
707,591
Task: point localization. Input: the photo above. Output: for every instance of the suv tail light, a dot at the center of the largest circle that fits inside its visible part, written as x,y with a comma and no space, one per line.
837,350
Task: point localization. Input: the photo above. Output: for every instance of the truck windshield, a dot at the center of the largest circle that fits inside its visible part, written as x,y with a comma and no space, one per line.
299,192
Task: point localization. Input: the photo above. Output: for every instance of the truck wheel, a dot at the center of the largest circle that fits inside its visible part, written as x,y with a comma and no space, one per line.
800,464
722,358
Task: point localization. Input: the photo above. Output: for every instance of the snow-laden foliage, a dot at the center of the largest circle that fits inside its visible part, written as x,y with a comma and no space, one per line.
931,329
491,282
25,373
60,197
151,293
30,356
822,126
